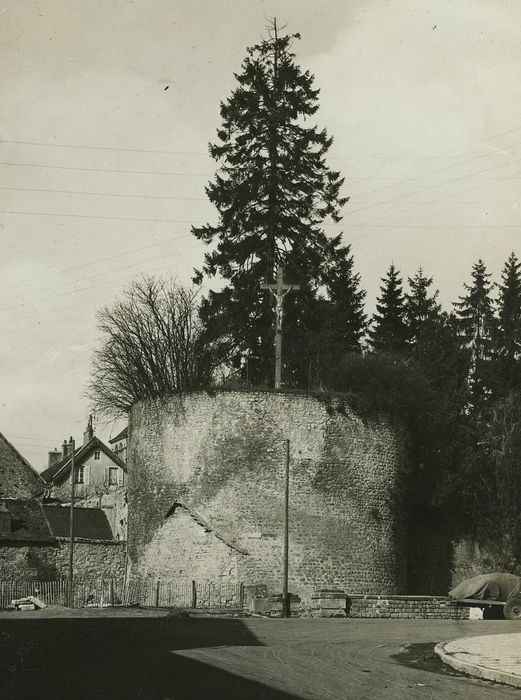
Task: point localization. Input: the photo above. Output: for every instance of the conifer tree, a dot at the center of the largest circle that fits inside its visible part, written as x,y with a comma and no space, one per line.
508,336
422,311
476,325
272,191
390,332
346,320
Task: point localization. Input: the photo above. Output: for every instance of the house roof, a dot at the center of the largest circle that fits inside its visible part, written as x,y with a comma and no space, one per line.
204,523
61,469
89,523
27,521
17,476
120,436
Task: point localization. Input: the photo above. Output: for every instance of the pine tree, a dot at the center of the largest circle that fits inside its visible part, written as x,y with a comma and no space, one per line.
476,325
508,336
272,191
346,317
390,332
422,311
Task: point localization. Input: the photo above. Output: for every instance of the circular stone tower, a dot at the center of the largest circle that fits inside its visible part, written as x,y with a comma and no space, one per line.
219,457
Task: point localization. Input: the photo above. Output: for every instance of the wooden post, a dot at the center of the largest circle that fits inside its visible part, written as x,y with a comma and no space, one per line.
71,530
286,609
158,584
111,592
241,596
194,595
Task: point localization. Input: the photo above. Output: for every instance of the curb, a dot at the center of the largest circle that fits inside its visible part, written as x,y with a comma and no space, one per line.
453,659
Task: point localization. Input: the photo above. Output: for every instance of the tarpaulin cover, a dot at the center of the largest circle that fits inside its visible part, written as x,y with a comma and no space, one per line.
488,587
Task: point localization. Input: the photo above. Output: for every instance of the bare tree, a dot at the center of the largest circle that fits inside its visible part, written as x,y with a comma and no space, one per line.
151,344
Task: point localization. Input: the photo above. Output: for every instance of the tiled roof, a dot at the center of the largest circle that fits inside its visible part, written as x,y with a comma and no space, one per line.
62,468
26,521
120,436
89,523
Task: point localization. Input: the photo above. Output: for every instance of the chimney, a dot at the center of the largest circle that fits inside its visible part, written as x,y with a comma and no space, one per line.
65,449
5,520
53,457
89,432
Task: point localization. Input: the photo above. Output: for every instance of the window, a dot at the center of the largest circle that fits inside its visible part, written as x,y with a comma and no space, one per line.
113,476
96,454
80,475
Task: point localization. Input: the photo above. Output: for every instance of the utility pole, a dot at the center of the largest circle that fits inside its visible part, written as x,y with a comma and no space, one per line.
279,291
286,604
71,529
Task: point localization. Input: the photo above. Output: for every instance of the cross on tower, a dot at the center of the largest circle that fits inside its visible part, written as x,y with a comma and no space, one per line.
279,291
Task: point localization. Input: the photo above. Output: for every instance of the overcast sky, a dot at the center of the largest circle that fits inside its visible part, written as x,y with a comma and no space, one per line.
102,170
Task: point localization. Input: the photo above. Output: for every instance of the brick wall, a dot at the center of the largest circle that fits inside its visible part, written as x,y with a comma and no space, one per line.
45,562
223,454
414,607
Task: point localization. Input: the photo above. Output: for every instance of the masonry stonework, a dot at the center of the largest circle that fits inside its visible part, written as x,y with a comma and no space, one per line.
223,455
48,562
182,549
406,607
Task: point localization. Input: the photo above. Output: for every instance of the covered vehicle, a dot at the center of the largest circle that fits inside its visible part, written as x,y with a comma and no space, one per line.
490,592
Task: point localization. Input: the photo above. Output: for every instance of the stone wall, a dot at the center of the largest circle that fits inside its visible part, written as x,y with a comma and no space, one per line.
184,550
17,478
414,607
46,562
224,454
92,559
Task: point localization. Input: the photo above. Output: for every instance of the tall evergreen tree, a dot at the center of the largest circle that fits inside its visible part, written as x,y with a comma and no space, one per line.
476,324
508,336
422,311
273,191
390,332
346,317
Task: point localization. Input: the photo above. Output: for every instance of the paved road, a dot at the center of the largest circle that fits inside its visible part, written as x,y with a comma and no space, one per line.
167,658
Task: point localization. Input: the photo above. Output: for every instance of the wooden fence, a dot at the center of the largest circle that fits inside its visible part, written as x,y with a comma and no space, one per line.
140,592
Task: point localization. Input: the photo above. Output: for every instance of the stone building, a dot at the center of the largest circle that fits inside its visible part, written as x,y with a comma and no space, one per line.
98,470
118,444
18,479
206,494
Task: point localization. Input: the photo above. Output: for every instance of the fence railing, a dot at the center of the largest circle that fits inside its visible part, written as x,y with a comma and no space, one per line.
116,591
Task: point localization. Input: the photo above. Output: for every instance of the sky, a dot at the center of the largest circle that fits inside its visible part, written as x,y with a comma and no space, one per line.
106,115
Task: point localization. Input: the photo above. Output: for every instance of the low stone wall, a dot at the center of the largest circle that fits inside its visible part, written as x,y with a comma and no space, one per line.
398,606
50,561
92,558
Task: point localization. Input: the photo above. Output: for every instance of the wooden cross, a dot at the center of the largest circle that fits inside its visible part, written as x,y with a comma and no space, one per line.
279,291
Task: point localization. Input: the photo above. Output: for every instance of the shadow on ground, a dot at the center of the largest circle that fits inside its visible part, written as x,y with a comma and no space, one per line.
423,658
121,658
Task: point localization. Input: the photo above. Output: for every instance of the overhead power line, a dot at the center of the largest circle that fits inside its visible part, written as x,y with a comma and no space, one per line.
96,216
439,170
97,261
85,279
452,150
446,154
103,194
89,302
104,170
104,148
205,199
426,189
